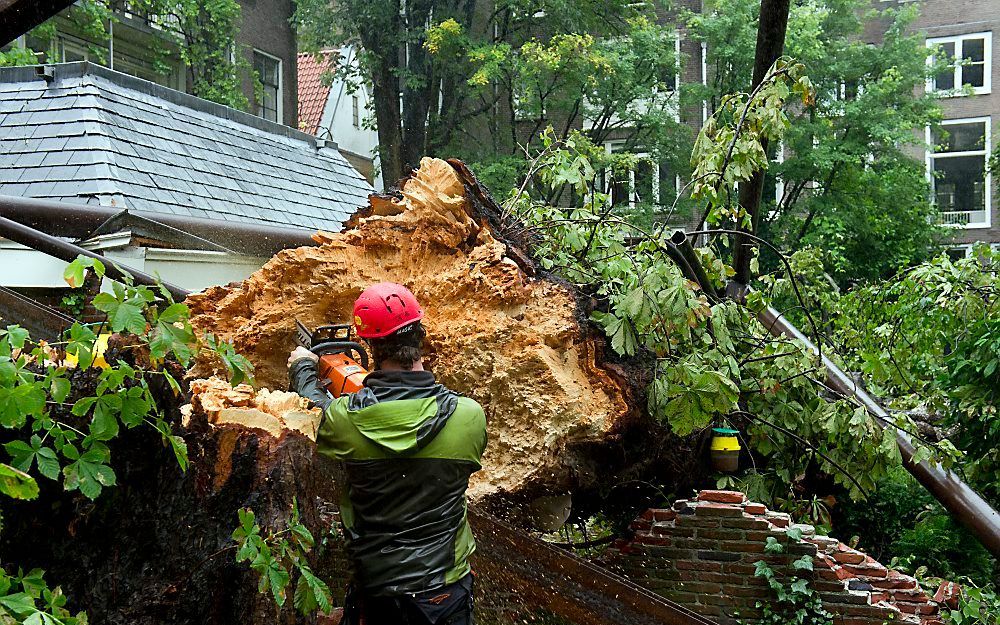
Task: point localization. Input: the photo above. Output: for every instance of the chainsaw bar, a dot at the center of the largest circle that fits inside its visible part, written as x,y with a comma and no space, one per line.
303,337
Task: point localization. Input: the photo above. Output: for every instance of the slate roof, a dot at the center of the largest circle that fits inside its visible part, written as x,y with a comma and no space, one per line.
313,94
96,136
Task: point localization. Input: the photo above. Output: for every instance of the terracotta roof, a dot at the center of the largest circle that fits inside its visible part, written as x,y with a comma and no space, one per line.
313,93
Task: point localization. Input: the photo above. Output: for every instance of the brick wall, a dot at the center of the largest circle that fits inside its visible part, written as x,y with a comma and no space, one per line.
701,553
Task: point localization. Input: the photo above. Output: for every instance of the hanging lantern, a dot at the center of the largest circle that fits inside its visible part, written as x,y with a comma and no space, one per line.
725,450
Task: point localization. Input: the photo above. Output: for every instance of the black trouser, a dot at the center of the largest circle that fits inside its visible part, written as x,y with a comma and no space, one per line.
448,605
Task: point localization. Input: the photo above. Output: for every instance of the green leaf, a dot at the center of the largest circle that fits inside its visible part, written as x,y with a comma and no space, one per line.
104,425
17,484
16,336
21,402
134,406
174,386
123,315
19,603
48,463
59,388
174,313
75,272
88,474
805,563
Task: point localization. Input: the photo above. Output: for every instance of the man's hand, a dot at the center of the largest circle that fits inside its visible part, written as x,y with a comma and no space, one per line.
301,352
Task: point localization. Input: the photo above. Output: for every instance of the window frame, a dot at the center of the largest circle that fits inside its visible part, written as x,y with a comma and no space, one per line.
615,145
929,157
280,114
957,91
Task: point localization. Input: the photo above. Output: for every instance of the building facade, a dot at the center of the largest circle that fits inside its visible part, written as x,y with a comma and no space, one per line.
335,111
139,45
962,36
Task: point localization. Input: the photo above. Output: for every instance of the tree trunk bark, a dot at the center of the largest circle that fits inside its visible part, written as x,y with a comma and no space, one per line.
770,46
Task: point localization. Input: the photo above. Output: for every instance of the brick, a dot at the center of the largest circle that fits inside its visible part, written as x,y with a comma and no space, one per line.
696,565
664,515
895,580
801,549
824,543
755,508
697,521
696,543
718,556
722,496
644,538
743,547
718,578
724,533
779,519
849,557
867,571
747,523
646,516
718,510
640,526
835,573
948,594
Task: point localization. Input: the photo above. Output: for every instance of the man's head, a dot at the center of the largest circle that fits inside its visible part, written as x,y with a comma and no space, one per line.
388,316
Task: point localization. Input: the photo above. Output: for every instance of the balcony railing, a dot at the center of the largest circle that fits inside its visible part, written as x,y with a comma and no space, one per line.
961,218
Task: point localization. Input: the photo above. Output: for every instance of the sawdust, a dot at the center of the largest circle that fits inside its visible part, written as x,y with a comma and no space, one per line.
510,341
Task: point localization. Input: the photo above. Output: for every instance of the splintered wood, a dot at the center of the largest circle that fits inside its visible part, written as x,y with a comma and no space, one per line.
271,411
512,342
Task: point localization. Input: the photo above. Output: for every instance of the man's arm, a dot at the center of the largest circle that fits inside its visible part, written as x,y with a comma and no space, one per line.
304,379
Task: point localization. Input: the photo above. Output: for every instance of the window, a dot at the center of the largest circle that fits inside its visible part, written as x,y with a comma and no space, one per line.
647,185
268,70
355,111
968,59
958,252
956,165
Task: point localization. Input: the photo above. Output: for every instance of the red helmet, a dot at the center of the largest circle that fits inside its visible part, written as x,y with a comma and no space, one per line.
383,308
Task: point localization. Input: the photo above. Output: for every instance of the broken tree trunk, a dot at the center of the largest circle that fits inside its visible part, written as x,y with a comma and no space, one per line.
516,341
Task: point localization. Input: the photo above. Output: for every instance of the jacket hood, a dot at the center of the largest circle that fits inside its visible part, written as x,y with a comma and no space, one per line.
401,411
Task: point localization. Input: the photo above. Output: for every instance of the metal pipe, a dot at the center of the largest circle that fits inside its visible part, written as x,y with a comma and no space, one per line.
68,252
75,220
956,496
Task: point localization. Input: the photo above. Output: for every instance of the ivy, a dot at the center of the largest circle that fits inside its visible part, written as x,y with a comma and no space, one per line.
793,601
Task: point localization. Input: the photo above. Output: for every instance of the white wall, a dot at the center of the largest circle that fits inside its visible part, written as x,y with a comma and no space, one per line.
190,269
337,122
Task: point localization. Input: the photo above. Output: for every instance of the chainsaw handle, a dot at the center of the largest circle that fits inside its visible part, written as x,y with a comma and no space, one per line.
341,347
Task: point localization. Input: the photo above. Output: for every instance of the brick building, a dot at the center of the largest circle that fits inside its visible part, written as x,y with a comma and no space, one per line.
961,34
137,45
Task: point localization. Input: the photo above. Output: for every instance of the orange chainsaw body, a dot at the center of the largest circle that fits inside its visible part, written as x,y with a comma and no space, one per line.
341,374
343,363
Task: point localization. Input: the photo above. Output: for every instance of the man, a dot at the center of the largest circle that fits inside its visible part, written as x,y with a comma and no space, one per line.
408,446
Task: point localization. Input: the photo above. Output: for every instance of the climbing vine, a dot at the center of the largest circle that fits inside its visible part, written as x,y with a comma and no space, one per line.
793,601
62,404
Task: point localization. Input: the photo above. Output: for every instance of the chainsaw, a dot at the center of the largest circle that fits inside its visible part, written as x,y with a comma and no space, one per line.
343,363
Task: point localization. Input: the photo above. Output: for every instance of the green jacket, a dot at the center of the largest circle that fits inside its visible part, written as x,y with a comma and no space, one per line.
408,446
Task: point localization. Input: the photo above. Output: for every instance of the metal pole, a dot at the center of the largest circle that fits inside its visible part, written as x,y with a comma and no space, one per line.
68,252
956,496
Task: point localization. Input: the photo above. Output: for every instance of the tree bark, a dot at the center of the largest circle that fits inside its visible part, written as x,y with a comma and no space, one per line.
770,46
